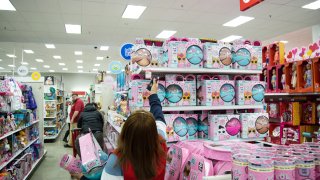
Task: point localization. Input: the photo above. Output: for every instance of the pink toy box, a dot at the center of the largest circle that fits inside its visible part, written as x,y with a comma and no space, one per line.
245,56
181,90
181,126
176,156
284,168
224,127
240,166
216,93
217,55
305,167
71,164
254,125
203,126
196,167
260,169
250,92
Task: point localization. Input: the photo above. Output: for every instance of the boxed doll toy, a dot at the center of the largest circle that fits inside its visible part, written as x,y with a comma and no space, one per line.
217,55
216,92
196,167
249,92
247,56
203,126
180,90
181,126
254,125
224,127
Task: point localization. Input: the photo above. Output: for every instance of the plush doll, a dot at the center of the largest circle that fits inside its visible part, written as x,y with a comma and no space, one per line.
283,79
308,76
294,76
274,79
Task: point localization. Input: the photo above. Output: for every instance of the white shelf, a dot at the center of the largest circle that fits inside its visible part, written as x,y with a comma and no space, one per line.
291,94
49,100
50,117
110,120
202,71
219,177
121,92
35,165
12,132
17,154
204,108
52,126
55,136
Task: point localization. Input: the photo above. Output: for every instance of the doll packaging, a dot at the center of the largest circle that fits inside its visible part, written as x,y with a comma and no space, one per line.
254,125
217,55
224,127
250,92
247,57
203,126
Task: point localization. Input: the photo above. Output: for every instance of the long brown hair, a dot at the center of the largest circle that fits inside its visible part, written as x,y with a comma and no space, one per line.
139,145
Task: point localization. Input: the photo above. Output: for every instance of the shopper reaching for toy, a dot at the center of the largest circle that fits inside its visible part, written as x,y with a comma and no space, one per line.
141,152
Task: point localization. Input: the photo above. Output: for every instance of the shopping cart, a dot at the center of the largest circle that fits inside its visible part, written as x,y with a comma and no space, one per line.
75,132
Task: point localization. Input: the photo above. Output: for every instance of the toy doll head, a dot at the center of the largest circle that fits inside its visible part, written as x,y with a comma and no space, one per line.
254,60
215,60
308,66
225,56
252,132
142,57
274,72
154,63
186,96
247,95
181,57
145,95
215,96
169,131
186,170
265,72
169,157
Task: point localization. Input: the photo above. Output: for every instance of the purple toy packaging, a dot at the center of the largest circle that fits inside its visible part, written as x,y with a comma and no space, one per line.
71,164
203,126
247,57
260,169
216,93
254,125
224,127
240,166
250,92
196,167
217,55
284,168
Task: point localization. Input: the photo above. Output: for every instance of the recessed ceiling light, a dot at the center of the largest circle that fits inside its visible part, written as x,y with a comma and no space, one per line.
238,21
24,63
46,66
39,60
51,70
104,48
50,46
80,67
65,69
97,65
165,34
99,58
33,68
79,61
11,55
231,38
0,60
1,68
62,64
73,28
80,71
78,53
133,12
11,65
285,42
6,5
57,57
94,69
28,51
314,5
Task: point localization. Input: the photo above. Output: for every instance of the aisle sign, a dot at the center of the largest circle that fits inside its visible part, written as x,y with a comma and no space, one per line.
246,4
35,76
115,67
125,51
22,70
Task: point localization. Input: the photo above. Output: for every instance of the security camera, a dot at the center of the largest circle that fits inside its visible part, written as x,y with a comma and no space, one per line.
107,57
96,47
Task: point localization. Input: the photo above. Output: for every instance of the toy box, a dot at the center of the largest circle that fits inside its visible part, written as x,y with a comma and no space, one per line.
274,133
176,54
247,57
316,73
249,92
196,167
276,54
217,55
290,113
265,56
216,93
203,126
273,110
305,76
176,157
292,135
194,54
181,126
308,113
254,125
291,85
281,78
181,91
224,127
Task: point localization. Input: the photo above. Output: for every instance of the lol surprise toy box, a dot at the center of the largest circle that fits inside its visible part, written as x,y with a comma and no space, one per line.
181,126
176,156
196,167
217,55
181,90
194,53
176,53
249,92
216,93
245,56
254,125
203,125
224,127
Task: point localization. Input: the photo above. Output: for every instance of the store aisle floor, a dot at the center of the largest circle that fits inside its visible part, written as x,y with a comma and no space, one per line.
49,168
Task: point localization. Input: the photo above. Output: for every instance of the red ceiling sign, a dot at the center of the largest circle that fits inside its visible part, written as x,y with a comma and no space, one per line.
246,4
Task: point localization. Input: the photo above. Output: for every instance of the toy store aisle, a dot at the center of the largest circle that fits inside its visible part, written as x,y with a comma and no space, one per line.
49,168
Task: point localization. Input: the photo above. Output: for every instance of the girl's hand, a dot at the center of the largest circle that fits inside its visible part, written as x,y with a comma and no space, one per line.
154,88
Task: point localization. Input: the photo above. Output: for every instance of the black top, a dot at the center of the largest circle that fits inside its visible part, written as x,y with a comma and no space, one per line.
90,118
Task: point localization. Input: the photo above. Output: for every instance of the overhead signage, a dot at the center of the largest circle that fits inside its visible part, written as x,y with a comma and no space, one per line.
125,51
246,4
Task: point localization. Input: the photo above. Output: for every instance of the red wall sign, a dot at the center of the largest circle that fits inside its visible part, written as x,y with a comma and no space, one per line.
246,4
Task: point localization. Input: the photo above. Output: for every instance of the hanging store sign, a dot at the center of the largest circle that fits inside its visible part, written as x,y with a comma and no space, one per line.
115,67
246,4
22,71
125,51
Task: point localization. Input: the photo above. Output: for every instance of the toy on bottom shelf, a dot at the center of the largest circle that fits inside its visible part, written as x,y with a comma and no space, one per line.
224,127
308,113
290,113
273,110
254,125
249,92
291,77
195,167
5,150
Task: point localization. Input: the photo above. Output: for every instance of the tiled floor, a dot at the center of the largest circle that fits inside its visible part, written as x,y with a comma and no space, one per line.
49,168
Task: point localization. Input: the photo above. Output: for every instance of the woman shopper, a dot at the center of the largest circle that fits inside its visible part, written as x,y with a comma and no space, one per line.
65,138
141,152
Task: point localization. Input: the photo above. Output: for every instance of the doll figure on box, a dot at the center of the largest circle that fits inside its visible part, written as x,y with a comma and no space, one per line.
267,57
276,56
247,97
215,98
215,62
186,98
254,62
274,79
252,132
145,96
283,78
181,59
265,77
294,76
308,76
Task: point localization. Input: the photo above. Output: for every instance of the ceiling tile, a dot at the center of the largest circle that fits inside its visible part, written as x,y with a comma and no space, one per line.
42,17
70,6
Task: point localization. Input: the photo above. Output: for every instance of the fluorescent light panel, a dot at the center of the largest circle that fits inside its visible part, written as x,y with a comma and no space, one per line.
33,68
108,72
79,61
94,69
73,28
314,5
6,5
133,12
285,42
46,66
1,68
65,69
80,70
50,46
57,57
62,64
28,51
39,60
238,21
231,38
99,58
24,63
80,67
11,65
51,70
78,53
166,34
0,60
96,65
104,48
11,56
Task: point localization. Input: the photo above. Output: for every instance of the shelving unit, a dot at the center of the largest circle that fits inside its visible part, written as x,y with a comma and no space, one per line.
55,136
17,130
35,165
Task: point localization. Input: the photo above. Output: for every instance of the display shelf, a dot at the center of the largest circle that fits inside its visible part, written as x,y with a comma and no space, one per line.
51,109
17,154
292,94
49,100
219,177
52,126
50,117
12,132
201,71
55,136
110,121
204,108
121,92
35,165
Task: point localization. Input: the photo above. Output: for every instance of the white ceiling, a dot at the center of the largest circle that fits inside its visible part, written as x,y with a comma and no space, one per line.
37,22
